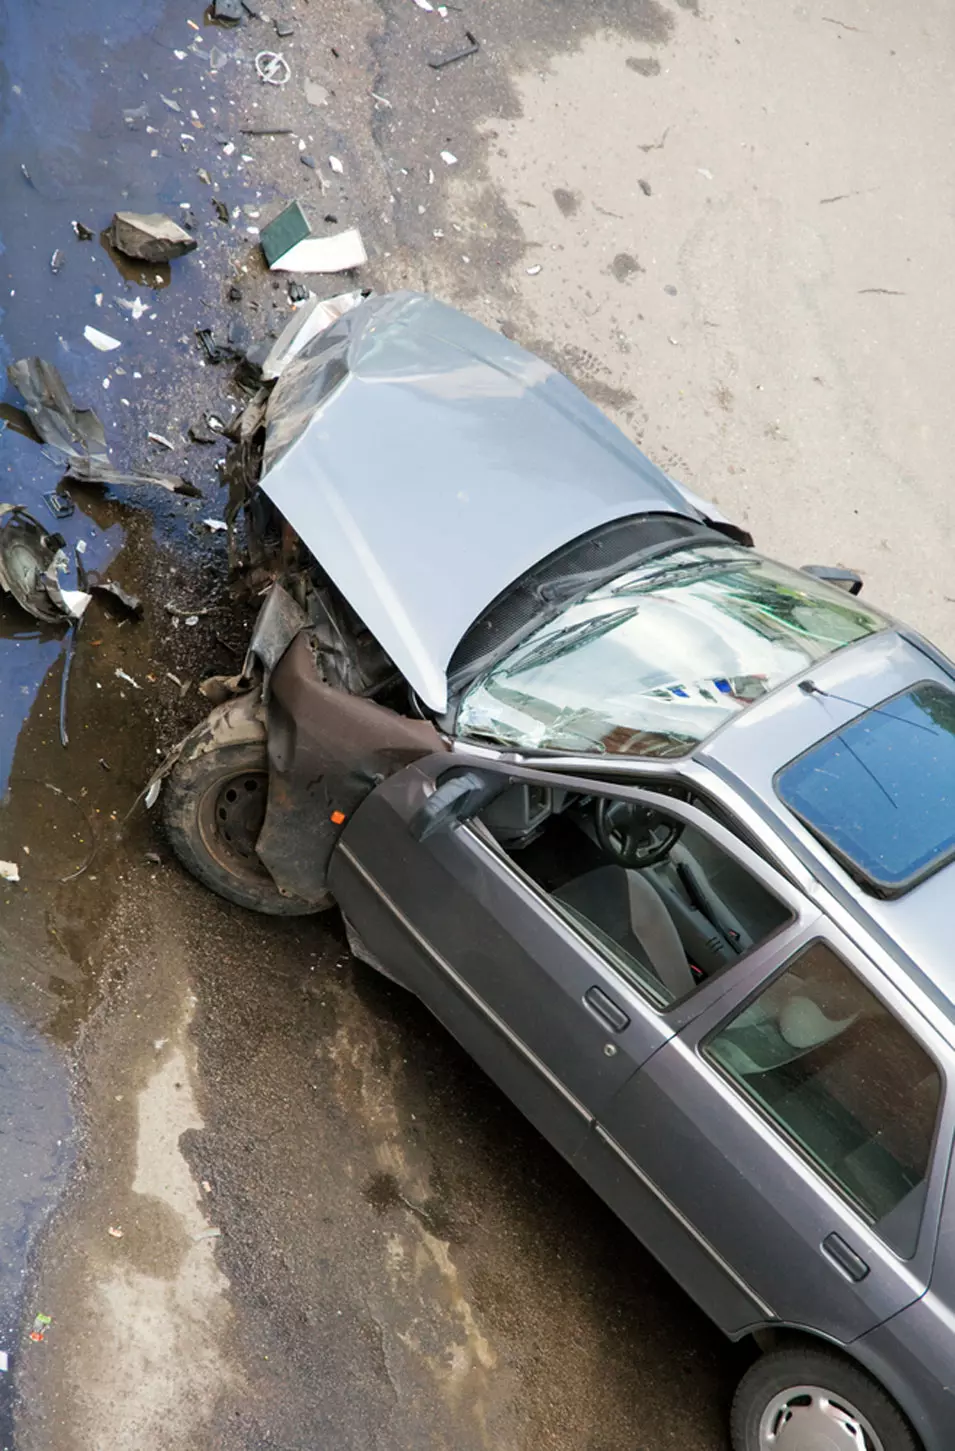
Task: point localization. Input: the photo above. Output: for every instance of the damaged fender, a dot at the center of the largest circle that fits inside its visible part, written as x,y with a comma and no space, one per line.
327,751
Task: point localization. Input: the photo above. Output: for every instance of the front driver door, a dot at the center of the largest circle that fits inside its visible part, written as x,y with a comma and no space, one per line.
535,1003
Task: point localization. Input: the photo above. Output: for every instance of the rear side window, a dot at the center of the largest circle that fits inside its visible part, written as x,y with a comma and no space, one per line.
845,1081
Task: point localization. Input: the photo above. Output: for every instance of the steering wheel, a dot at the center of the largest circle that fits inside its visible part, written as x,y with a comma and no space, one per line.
632,834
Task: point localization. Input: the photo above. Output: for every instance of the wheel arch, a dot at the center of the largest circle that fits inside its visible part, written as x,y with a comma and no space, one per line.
779,1336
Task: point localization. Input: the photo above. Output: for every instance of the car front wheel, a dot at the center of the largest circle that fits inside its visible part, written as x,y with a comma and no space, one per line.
213,809
803,1398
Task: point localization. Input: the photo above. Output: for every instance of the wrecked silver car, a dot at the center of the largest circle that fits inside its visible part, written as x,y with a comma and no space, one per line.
375,480
659,829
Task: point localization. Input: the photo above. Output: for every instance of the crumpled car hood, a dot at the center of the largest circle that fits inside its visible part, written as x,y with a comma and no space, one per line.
427,462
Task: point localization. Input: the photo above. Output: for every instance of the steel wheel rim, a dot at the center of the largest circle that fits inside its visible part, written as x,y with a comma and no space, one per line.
812,1418
230,817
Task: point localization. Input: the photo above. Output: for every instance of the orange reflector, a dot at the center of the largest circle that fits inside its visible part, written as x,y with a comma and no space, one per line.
338,818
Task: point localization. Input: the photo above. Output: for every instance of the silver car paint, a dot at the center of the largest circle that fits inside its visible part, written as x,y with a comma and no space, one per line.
443,463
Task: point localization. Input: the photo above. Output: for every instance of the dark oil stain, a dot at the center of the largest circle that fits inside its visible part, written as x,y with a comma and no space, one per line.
643,65
568,202
383,1192
624,266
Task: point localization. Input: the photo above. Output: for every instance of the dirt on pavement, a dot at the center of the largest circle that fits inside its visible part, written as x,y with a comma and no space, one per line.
731,226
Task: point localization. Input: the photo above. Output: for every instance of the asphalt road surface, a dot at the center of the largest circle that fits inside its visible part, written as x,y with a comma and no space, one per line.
263,1198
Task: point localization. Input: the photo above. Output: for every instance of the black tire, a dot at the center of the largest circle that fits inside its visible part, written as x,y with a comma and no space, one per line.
793,1366
213,806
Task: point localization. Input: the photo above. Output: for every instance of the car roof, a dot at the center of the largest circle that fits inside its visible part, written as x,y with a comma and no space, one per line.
428,462
915,926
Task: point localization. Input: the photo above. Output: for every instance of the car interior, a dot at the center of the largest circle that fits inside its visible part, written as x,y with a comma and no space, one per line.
667,904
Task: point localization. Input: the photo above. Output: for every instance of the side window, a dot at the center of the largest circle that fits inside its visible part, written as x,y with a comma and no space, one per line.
845,1081
664,905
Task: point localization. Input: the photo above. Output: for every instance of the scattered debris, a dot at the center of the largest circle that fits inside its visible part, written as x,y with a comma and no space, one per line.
187,612
705,171
85,234
533,271
336,165
266,131
307,160
217,58
215,526
204,176
173,105
198,434
132,604
61,506
449,158
215,352
75,432
31,561
115,1231
471,48
9,872
153,857
57,260
161,439
149,237
41,1325
290,246
121,675
645,187
284,232
137,307
310,320
424,5
65,683
227,12
273,68
881,291
382,100
92,472
101,341
222,211
283,30
132,116
5,1361
297,291
207,1234
315,93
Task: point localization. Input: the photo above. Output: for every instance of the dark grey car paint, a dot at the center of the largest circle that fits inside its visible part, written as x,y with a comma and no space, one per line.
735,1214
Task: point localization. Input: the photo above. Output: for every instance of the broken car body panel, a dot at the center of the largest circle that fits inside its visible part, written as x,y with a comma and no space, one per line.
428,462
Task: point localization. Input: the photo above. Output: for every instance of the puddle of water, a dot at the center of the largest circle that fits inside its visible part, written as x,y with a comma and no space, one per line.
69,69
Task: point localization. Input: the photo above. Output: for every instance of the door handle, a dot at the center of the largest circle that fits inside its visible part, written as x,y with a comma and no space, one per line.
606,1008
846,1258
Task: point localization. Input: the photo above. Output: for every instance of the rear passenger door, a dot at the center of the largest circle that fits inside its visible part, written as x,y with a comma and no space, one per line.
777,1153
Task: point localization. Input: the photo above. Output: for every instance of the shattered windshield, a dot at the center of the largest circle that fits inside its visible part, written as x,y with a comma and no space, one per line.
652,663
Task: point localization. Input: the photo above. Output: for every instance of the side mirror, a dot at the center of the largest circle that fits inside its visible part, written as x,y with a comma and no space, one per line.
455,799
846,579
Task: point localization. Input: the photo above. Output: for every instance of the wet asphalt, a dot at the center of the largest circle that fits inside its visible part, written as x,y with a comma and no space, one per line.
401,1262
401,1147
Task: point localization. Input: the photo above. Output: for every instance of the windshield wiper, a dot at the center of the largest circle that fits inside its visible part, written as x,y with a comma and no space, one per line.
570,637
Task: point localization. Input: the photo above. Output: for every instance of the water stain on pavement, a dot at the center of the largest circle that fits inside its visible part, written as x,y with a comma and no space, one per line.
69,154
